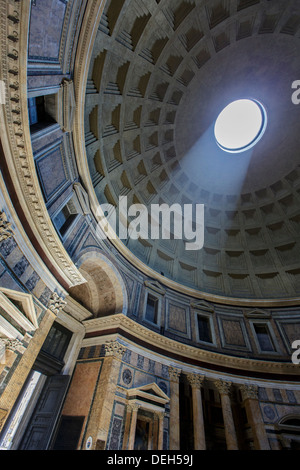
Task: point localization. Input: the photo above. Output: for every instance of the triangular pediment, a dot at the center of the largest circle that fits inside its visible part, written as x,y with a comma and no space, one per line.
154,389
19,307
149,391
258,313
202,305
155,286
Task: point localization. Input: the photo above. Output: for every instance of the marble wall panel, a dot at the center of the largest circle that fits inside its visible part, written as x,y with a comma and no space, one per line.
233,333
45,30
51,171
178,318
82,388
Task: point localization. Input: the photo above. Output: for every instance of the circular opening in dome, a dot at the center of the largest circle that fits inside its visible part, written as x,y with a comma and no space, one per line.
240,125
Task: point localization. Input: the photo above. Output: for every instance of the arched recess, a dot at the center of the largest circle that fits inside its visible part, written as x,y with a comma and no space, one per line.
105,292
288,429
290,422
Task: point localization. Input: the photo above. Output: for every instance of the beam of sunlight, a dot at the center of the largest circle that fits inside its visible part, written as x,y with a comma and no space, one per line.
214,170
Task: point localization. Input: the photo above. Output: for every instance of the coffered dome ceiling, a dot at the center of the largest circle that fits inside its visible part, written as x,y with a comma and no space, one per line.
161,72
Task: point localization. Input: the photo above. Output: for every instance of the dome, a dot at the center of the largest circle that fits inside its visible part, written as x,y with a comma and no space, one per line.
149,248
158,80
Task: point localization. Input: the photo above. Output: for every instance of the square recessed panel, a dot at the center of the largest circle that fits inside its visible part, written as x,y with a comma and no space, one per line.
51,171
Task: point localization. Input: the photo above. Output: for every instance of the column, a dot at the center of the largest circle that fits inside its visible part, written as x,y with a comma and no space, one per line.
250,398
196,382
131,439
230,432
100,416
150,437
174,409
155,432
160,443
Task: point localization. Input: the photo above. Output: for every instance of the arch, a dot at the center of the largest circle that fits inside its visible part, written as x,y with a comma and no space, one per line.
290,422
105,292
288,428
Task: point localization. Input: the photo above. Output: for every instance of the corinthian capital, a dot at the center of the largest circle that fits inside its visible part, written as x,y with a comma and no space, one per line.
224,388
249,392
5,227
56,303
10,344
133,407
174,374
195,380
114,348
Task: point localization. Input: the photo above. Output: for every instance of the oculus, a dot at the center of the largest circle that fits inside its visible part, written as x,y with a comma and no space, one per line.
240,125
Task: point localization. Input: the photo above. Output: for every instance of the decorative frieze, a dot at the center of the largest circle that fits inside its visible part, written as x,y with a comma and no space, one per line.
191,353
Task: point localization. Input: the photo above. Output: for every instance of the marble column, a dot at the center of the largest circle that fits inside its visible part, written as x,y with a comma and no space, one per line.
160,443
196,381
250,399
174,438
132,431
224,389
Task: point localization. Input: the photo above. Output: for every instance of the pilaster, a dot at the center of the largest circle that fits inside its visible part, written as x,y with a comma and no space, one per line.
250,397
101,411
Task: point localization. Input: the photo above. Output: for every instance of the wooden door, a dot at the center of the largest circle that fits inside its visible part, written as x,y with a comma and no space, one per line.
44,418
